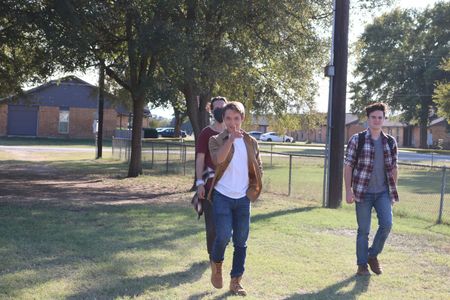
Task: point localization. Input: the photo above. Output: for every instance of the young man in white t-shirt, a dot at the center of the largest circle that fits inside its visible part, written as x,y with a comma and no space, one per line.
236,183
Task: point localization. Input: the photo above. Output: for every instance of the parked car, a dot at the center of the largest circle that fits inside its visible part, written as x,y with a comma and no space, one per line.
159,129
255,134
170,132
275,137
150,133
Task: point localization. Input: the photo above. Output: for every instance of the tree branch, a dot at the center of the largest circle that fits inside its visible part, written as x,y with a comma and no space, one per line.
114,76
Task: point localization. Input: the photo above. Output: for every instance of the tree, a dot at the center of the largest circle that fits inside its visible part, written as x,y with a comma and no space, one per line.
24,57
398,62
283,123
129,36
259,52
253,52
441,95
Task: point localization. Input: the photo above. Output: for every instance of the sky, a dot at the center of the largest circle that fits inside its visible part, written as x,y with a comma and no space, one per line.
322,96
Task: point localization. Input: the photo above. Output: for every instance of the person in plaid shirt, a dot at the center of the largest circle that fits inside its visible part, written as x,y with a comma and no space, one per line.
370,174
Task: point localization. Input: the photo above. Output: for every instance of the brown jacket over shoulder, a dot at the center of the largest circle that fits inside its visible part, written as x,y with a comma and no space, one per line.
254,163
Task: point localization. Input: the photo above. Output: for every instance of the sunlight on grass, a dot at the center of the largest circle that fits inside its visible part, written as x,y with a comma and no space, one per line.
99,241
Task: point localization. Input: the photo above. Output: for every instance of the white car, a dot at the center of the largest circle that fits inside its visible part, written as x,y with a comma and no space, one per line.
275,137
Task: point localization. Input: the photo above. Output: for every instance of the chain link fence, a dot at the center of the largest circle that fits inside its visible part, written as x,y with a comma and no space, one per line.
424,189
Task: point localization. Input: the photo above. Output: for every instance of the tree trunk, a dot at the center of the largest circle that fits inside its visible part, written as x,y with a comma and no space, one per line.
135,167
192,110
203,113
101,101
178,121
423,123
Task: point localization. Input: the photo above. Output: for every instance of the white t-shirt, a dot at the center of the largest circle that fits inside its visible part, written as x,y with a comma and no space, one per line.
234,181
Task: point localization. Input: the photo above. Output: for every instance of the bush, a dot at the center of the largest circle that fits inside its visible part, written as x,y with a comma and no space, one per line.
150,133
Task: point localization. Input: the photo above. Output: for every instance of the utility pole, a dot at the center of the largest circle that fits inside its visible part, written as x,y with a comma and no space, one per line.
337,114
101,104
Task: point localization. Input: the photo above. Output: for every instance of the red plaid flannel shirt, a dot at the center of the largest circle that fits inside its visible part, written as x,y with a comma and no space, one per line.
363,169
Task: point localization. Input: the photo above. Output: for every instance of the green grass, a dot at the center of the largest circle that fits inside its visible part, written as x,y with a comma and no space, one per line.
419,187
99,235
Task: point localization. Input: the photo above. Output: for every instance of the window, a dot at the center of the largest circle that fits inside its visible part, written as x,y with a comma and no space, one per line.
63,126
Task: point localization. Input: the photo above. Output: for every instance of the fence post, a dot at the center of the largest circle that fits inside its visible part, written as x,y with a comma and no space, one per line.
271,150
441,206
112,146
181,151
129,150
184,159
153,153
167,159
290,174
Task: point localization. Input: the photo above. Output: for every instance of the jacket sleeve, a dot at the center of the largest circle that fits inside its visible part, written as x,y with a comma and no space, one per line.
213,148
350,153
394,154
258,157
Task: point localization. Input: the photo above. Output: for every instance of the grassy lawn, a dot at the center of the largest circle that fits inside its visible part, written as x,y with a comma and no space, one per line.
419,188
78,229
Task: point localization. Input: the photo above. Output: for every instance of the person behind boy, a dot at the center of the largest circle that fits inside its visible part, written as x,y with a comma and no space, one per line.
236,183
370,173
204,167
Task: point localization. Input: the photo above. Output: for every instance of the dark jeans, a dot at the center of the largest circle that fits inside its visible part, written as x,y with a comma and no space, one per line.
382,204
209,224
232,217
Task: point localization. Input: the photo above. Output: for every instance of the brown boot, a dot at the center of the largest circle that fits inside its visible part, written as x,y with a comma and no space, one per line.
362,270
375,265
216,274
236,287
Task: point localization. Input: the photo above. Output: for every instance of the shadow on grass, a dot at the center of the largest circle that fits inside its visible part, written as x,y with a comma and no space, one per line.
136,286
421,181
361,284
278,213
49,237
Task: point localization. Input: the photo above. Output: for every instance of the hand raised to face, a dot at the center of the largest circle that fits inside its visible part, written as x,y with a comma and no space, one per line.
234,133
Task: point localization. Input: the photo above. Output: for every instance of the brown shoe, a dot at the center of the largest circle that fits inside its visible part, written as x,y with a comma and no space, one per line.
362,270
375,265
216,274
236,287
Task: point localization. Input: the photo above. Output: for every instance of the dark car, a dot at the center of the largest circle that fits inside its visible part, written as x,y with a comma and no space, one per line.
170,133
255,134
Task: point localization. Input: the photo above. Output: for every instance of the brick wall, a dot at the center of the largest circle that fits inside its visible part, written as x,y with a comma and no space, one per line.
48,122
415,142
3,119
109,123
439,131
397,133
81,121
352,129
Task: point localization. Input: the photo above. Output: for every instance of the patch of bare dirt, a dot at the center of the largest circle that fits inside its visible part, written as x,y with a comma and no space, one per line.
31,182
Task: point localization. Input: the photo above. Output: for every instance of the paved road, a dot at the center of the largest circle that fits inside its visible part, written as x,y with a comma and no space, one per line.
403,155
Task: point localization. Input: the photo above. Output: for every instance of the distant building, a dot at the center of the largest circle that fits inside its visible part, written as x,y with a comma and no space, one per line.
439,132
61,108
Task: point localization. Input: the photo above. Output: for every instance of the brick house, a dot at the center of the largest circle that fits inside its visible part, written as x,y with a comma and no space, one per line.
439,129
257,123
61,108
352,125
391,126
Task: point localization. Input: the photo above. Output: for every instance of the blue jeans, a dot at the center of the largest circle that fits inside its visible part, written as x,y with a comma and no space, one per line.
382,204
232,218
